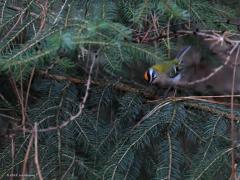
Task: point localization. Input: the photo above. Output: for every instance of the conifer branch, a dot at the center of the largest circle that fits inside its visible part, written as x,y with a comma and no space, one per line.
118,85
80,106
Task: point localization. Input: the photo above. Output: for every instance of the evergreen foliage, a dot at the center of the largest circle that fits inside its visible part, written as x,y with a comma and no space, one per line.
121,133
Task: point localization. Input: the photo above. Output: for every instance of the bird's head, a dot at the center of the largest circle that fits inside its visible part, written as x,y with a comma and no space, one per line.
150,75
153,76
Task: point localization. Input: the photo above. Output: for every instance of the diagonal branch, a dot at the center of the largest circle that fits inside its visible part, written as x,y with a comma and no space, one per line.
81,104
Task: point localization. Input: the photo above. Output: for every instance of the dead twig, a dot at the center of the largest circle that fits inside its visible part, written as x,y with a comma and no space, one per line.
36,152
28,88
26,157
43,15
13,154
218,39
20,99
80,107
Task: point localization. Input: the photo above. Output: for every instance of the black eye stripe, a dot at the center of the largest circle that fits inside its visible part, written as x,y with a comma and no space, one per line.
149,76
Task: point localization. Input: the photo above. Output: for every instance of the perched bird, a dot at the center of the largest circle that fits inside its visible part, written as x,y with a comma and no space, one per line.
167,69
207,72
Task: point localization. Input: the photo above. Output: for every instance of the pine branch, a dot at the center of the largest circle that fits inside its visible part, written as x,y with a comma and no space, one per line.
118,86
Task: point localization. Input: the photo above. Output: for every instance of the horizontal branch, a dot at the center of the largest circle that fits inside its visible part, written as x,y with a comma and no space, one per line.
118,86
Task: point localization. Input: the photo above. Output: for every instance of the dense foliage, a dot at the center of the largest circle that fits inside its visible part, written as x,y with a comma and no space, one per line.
73,102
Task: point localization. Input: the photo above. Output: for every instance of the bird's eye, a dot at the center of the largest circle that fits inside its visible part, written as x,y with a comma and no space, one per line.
154,75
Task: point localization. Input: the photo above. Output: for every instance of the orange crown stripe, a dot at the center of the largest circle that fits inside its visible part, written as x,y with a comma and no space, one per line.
146,76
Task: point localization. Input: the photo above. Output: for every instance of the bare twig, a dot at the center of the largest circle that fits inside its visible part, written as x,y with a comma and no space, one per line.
214,72
26,157
59,13
3,98
170,156
36,152
17,22
81,104
15,8
20,99
72,163
1,21
43,15
218,39
29,86
11,118
23,108
12,153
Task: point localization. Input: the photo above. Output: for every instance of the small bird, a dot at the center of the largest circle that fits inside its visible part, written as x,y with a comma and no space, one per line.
168,69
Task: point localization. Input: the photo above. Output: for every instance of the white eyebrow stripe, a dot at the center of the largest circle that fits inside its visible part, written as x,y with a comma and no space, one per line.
151,75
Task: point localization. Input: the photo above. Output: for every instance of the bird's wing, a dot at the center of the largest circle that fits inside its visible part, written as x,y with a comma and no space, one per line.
165,67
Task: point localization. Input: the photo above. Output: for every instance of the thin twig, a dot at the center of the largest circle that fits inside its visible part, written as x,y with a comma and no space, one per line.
17,22
4,99
59,13
81,104
68,169
26,157
43,16
28,88
20,99
36,152
170,156
220,39
23,109
15,8
1,21
12,153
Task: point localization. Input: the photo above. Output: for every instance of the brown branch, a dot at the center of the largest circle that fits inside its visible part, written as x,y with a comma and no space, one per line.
23,108
218,39
28,88
213,111
215,71
207,99
4,99
15,25
43,15
13,154
68,169
64,78
162,104
19,97
16,8
118,86
26,157
36,152
80,107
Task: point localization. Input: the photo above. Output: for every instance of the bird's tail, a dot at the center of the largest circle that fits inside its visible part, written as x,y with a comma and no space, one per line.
181,53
